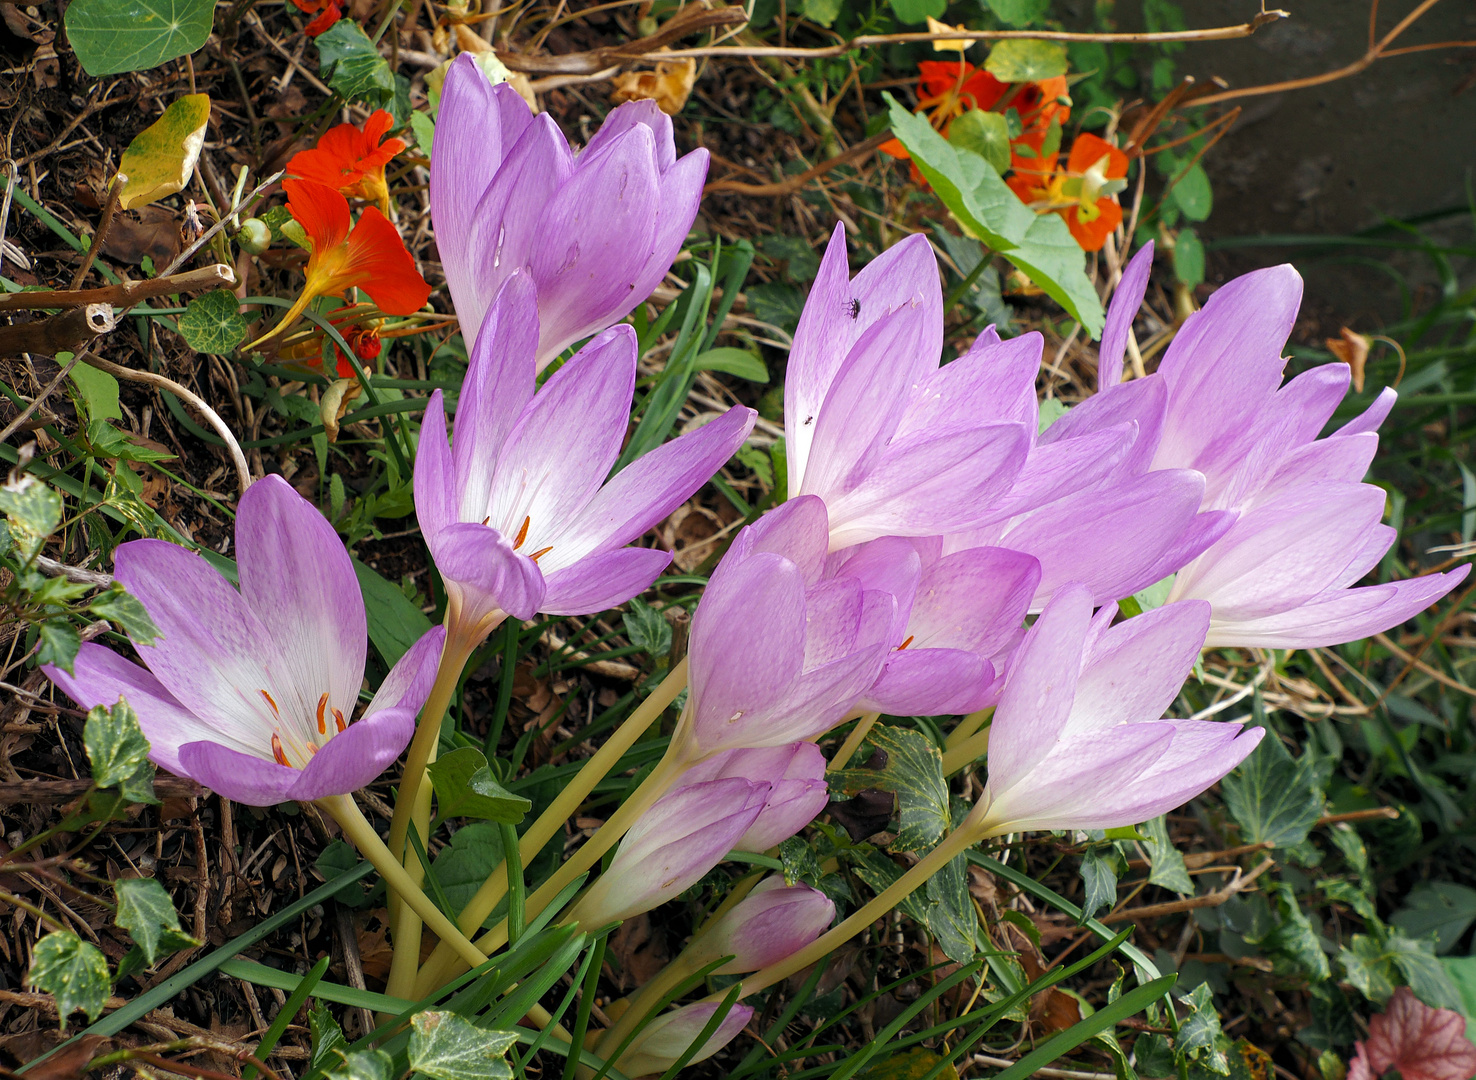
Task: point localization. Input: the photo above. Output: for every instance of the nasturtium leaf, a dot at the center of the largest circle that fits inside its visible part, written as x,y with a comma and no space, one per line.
1275,799
1018,60
60,642
147,913
161,158
1440,908
918,11
73,972
465,788
394,622
1193,193
98,389
986,134
1050,255
1018,12
115,744
647,628
822,12
34,511
118,606
443,1046
213,323
1189,258
1168,864
113,36
738,362
914,772
1099,880
351,65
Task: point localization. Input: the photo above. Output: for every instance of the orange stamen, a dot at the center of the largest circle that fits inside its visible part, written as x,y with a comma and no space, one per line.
272,703
540,553
277,751
906,643
338,719
322,724
523,534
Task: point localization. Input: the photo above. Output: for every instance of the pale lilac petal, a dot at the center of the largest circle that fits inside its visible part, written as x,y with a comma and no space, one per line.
212,652
1372,417
1137,668
812,705
799,530
772,922
434,486
644,113
602,581
499,383
242,778
1055,470
482,564
356,756
820,346
102,677
992,383
1202,532
563,445
645,492
409,682
1143,402
1127,298
1040,685
298,580
974,599
891,565
681,194
1342,457
667,1038
930,682
1338,617
601,220
790,806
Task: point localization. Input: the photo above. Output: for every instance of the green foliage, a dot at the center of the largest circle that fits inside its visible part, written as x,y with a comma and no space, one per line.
114,36
73,972
147,913
647,629
213,323
914,773
1168,864
1023,60
913,12
1018,12
33,511
1440,908
394,622
463,864
1276,800
119,607
366,1065
822,12
465,787
984,133
97,389
1099,869
738,362
443,1046
1189,258
116,746
1192,194
351,65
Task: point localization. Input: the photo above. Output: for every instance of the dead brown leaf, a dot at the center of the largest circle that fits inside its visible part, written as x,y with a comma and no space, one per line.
151,231
669,85
640,951
1352,349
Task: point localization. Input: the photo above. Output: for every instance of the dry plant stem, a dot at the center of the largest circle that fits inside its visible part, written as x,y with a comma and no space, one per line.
128,293
243,472
436,969
104,224
1152,911
413,801
66,332
853,741
362,835
794,183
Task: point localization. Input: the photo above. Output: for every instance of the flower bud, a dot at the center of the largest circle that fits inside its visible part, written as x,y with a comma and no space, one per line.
667,1037
254,237
795,774
680,838
770,923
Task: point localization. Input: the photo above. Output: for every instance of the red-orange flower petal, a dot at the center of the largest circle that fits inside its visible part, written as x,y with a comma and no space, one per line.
1088,149
329,15
383,268
1091,235
894,148
352,160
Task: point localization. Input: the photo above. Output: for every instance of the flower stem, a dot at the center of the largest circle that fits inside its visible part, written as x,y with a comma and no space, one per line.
968,726
853,741
966,752
362,835
645,999
413,803
441,965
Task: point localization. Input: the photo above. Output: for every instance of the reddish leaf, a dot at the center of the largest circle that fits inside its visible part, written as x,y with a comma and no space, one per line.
1421,1042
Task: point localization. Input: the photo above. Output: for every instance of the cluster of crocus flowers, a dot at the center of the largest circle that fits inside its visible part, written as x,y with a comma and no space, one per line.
1084,192
352,160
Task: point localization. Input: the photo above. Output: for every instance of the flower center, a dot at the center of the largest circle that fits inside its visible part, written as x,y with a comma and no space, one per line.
298,747
523,535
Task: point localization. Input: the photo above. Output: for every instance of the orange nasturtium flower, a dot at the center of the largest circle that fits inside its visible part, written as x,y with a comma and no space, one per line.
1084,193
327,13
352,160
370,255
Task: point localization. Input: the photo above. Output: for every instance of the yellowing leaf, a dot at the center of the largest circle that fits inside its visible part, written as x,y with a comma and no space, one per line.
958,45
161,158
669,85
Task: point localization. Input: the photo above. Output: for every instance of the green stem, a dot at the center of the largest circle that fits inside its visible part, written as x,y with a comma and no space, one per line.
968,726
853,741
441,965
966,752
644,1002
362,835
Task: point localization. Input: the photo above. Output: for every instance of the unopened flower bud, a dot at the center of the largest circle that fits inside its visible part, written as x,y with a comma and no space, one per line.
795,774
667,1037
255,236
770,923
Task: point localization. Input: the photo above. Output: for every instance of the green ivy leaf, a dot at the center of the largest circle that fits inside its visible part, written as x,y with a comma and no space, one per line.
327,1038
914,772
1368,967
1273,798
446,1047
73,972
647,628
366,1065
1441,909
1295,938
59,643
118,606
951,917
1019,60
115,744
1168,864
1099,880
213,323
147,913
34,511
351,65
1427,977
114,36
465,787
1199,1032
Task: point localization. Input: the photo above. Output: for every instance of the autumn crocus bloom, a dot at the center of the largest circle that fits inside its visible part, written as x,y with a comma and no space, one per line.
770,923
368,254
519,514
253,692
795,774
1084,193
351,160
1077,741
596,230
667,1038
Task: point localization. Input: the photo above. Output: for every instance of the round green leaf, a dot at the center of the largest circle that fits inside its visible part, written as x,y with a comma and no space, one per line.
1189,258
986,134
1193,194
213,323
918,11
1026,60
1018,12
113,36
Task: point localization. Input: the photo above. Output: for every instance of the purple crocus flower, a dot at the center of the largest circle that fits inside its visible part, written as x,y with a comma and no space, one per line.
671,846
596,229
893,444
958,616
519,515
776,653
795,774
1076,740
253,692
667,1037
773,921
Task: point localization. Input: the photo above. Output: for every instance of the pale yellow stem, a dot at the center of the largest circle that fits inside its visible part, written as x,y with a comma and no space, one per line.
853,741
968,726
966,752
441,965
643,1002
